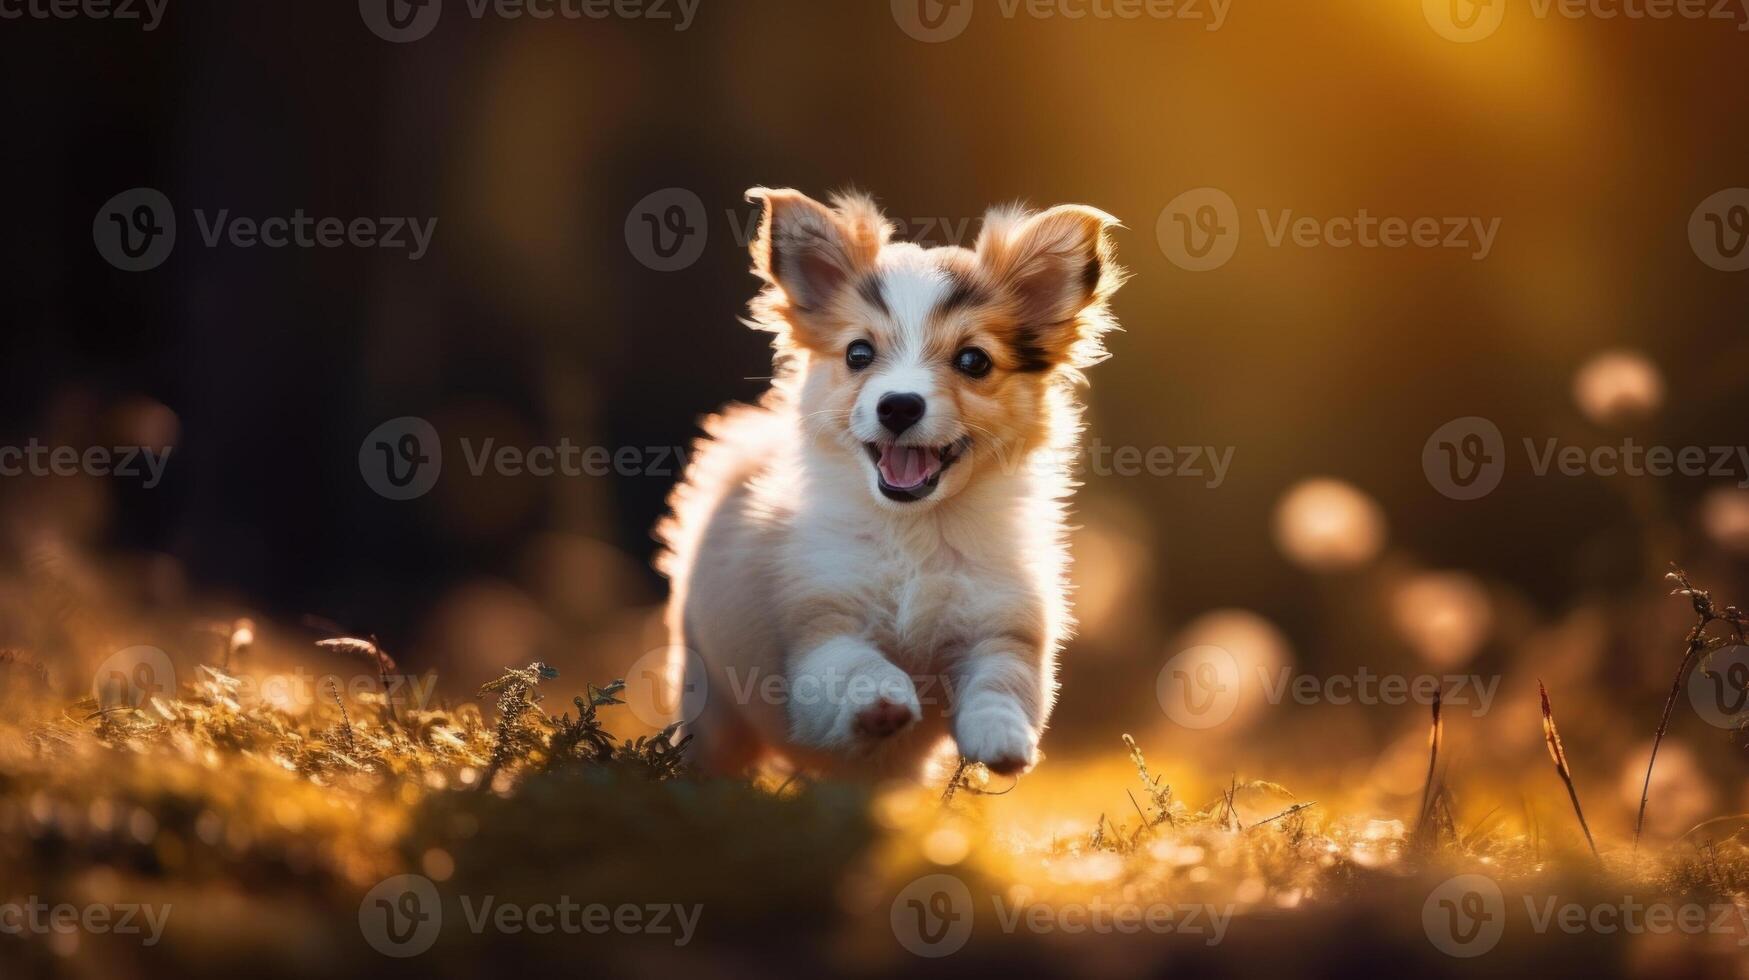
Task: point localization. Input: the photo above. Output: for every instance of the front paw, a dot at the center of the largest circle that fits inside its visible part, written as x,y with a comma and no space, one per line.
999,737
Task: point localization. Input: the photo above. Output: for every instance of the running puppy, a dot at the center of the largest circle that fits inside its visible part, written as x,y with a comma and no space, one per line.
874,556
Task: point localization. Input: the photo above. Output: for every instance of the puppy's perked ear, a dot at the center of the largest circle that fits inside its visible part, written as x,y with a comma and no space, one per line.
1056,271
812,252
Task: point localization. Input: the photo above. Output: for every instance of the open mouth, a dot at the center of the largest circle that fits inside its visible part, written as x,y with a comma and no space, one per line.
909,473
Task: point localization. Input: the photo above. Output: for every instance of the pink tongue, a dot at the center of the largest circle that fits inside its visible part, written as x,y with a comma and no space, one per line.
905,467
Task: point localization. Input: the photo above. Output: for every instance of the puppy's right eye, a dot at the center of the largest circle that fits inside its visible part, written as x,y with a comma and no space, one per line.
859,354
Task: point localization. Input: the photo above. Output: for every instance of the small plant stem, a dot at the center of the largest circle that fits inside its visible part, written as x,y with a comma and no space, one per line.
1696,643
390,716
1706,613
953,783
1290,811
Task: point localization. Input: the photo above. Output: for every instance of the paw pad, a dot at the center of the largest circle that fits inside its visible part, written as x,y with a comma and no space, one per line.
883,719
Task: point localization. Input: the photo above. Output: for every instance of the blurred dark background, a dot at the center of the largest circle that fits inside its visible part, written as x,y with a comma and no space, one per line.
532,318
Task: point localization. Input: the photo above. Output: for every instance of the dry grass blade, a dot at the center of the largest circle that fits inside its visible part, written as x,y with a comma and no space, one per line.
1558,753
1435,735
359,648
345,727
953,783
1481,828
1229,798
1290,811
973,778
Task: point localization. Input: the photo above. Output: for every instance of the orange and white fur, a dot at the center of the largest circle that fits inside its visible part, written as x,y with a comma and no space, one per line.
874,556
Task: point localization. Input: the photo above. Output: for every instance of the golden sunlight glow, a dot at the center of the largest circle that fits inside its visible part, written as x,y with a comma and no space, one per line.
1684,794
1725,514
1245,651
946,845
1326,525
1616,387
1444,616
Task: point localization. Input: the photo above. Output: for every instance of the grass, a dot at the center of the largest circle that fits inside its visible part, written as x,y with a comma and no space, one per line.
1558,753
264,828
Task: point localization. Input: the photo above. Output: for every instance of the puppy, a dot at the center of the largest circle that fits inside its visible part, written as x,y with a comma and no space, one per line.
874,556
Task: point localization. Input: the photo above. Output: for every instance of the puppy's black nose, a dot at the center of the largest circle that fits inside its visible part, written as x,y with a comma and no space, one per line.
899,412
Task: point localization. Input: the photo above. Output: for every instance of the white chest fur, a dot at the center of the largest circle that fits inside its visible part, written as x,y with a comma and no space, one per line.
925,590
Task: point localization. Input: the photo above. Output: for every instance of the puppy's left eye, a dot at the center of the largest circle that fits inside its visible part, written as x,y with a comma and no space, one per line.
972,361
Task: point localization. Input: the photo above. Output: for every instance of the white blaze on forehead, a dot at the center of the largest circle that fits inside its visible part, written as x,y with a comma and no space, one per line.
911,294
912,287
